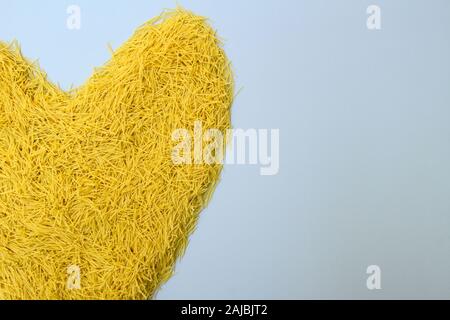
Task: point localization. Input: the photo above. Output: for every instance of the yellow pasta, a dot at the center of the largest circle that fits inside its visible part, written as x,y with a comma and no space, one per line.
86,176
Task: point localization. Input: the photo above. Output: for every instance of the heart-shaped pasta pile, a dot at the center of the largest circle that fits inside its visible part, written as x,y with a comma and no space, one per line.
87,181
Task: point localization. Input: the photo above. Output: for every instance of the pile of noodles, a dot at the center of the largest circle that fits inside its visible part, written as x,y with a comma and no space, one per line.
87,181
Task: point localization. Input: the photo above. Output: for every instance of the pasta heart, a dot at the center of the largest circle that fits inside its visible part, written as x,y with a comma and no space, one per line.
92,205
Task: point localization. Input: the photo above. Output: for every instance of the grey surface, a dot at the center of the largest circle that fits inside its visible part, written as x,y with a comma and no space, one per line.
364,123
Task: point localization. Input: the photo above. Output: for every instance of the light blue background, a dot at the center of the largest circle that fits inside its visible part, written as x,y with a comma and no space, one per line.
364,123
